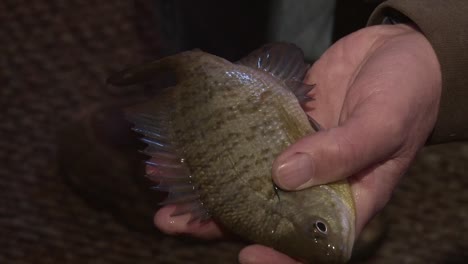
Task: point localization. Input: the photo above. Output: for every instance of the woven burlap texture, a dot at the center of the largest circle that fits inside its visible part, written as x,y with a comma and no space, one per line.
55,57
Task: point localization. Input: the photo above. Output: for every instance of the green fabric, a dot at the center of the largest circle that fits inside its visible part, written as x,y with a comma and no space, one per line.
444,23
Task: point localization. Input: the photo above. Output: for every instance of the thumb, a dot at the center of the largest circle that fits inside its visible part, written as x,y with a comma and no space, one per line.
337,153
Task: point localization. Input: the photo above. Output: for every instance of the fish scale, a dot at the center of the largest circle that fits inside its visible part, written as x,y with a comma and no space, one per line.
199,148
227,123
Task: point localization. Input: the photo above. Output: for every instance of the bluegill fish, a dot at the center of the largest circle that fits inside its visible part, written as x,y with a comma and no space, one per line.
214,136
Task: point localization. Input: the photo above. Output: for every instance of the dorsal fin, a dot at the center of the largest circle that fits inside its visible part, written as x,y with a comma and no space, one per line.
178,66
284,61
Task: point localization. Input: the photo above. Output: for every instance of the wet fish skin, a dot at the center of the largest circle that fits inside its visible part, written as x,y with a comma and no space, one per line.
227,123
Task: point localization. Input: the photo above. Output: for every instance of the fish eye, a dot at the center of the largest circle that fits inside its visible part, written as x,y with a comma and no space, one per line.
321,227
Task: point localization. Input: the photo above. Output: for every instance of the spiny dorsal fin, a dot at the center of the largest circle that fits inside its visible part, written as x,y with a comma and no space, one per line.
177,65
284,61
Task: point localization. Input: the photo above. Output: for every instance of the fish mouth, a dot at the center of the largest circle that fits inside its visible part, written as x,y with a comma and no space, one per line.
347,251
348,234
341,254
347,222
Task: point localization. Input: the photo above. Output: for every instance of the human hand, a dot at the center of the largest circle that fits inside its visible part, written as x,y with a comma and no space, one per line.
378,93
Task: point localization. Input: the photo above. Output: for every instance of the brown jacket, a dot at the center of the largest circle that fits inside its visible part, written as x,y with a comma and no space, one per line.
445,24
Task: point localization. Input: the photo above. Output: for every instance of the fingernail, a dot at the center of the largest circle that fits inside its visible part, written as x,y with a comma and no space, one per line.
295,171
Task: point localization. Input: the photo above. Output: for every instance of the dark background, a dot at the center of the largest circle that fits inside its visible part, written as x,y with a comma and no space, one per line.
71,185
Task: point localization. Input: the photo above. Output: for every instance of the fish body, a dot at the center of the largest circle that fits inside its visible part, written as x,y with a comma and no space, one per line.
213,139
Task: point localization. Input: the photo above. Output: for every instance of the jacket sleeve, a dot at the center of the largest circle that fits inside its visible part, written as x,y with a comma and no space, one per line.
445,25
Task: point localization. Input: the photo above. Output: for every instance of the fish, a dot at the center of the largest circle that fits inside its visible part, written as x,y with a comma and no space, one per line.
212,139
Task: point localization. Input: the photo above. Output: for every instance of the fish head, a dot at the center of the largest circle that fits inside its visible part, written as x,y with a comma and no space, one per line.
318,227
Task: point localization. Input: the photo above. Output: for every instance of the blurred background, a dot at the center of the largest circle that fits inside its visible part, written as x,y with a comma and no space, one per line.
71,182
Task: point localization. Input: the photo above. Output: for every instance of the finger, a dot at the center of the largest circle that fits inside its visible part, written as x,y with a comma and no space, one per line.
365,138
373,188
258,254
175,225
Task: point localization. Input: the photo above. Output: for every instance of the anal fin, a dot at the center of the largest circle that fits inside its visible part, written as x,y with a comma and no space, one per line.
195,209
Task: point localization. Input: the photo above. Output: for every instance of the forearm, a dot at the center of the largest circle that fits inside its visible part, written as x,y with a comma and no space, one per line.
444,25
